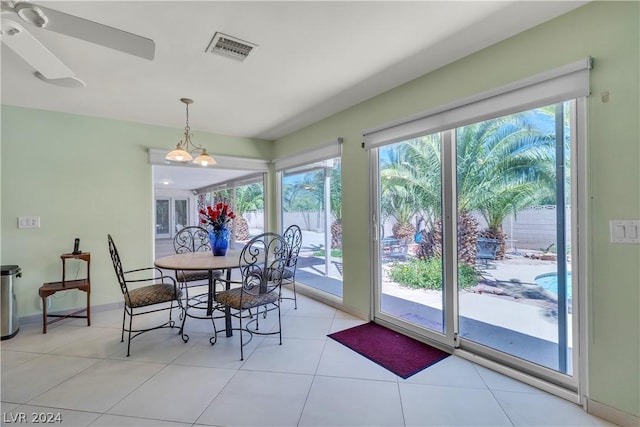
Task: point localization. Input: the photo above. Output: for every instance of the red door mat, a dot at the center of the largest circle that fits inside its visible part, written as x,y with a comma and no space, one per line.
398,353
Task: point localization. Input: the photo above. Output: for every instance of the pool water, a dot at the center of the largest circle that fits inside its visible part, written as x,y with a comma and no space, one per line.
549,281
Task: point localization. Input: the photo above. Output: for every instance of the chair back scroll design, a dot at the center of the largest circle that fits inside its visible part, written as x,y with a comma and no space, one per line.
191,239
263,261
188,240
293,236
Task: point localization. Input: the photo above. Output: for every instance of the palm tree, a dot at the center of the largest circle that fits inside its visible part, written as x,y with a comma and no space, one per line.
401,205
410,184
335,198
248,198
300,193
413,176
503,165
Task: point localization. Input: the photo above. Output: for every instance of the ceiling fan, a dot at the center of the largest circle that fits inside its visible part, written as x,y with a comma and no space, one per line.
48,67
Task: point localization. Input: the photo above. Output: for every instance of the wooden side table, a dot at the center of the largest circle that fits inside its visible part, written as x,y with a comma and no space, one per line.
50,288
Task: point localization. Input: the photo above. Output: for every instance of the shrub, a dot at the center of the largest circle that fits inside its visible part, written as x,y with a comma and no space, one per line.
427,274
335,253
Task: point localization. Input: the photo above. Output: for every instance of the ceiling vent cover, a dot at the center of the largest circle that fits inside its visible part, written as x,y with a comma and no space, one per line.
232,47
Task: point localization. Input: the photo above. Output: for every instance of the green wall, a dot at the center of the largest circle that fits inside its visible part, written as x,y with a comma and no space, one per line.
85,177
607,31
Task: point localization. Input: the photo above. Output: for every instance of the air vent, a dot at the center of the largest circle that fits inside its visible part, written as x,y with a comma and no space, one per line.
232,47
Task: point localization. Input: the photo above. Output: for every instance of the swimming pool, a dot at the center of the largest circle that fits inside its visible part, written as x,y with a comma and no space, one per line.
549,281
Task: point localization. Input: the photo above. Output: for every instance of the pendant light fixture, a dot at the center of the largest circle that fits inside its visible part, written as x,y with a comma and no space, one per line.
185,148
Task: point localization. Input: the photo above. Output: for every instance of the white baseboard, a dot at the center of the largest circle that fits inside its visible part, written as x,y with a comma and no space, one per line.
610,414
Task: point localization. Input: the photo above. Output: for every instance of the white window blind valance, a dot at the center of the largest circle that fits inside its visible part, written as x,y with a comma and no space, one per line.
157,157
563,83
245,180
326,151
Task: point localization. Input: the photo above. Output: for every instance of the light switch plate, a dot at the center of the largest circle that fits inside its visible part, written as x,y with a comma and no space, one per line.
28,222
625,231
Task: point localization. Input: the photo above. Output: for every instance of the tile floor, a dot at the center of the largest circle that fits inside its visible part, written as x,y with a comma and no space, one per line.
82,377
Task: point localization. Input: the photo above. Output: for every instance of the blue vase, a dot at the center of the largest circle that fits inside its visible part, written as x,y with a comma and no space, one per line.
219,239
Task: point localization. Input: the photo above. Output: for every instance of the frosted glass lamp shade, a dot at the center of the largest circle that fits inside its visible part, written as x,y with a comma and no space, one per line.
179,155
204,159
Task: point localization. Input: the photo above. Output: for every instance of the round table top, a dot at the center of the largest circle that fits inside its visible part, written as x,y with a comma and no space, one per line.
199,261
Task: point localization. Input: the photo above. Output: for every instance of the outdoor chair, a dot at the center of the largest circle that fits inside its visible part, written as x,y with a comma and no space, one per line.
262,263
394,249
159,294
487,250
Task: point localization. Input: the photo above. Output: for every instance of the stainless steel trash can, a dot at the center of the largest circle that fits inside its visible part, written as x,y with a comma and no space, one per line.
9,309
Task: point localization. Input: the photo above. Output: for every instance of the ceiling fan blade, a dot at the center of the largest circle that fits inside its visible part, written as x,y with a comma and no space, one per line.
70,82
33,52
84,29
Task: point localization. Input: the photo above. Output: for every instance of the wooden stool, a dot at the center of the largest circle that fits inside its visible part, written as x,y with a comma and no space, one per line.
51,288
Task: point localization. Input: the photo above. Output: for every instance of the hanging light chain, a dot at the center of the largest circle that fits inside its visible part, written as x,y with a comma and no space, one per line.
187,128
184,149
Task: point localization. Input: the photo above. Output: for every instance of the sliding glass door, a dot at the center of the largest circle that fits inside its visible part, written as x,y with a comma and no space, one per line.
410,245
513,209
474,244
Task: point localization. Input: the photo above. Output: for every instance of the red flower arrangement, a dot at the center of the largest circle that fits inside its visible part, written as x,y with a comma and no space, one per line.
217,217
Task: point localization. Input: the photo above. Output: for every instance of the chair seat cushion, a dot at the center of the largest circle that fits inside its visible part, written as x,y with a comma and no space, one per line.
233,296
151,294
192,276
287,274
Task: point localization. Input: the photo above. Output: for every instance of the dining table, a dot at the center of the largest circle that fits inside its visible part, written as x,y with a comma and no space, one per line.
200,261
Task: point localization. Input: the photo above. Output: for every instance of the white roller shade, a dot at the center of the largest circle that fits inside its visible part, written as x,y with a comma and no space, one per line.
157,157
567,82
326,151
245,180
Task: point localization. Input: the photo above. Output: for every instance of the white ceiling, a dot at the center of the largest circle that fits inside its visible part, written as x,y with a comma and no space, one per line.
314,58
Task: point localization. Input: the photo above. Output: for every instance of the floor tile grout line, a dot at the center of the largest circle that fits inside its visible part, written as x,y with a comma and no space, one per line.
315,373
216,396
63,381
404,417
475,367
134,390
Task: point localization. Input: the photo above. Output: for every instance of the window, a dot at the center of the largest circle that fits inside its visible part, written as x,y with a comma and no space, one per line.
310,196
246,198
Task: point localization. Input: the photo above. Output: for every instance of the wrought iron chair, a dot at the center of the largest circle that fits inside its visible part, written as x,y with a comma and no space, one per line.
193,239
262,263
293,236
146,299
